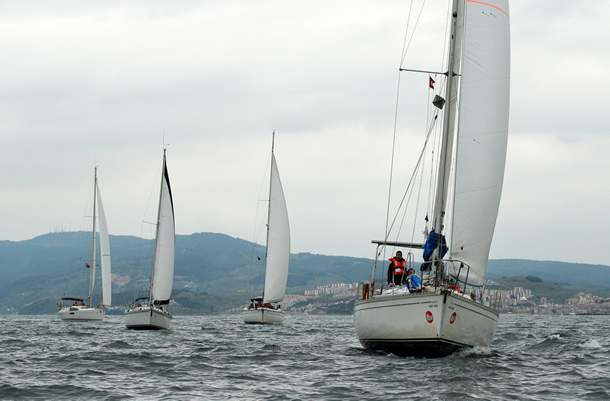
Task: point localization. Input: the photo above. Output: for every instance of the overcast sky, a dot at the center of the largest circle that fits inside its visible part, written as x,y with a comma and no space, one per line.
86,83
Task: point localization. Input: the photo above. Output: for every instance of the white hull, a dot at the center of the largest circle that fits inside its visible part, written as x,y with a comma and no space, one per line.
263,316
147,318
81,313
423,324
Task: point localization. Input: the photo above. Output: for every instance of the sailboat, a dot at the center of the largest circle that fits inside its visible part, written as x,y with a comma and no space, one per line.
151,312
71,308
453,308
266,308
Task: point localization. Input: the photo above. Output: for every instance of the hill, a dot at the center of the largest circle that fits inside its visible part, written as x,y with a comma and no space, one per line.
595,277
50,265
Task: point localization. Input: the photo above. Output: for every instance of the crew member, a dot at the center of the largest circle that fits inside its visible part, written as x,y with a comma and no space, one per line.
397,269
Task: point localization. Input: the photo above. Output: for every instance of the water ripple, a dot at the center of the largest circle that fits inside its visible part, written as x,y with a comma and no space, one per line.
309,357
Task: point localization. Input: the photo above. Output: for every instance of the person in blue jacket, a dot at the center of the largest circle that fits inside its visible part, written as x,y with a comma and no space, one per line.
413,281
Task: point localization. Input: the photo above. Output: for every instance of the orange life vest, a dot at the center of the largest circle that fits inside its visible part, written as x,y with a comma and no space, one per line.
365,291
399,267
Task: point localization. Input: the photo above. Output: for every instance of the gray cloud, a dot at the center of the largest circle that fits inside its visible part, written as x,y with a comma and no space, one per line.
99,83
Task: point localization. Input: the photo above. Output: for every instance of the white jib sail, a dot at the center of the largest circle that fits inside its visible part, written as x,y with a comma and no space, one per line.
278,241
105,253
163,265
482,133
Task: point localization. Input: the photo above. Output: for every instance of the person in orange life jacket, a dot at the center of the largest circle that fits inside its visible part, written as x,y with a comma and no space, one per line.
397,269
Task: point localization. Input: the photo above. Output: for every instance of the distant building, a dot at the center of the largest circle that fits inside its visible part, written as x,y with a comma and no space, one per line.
335,288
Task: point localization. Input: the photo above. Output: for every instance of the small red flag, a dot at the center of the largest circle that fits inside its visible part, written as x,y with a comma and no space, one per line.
87,265
431,83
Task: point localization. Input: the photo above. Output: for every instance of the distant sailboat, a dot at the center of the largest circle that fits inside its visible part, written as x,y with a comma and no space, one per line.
150,313
266,309
76,308
452,310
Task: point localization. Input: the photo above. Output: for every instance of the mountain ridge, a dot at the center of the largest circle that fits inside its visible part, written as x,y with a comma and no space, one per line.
49,265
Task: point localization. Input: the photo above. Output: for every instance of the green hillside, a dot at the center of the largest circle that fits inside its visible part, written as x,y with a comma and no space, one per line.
211,264
596,277
53,265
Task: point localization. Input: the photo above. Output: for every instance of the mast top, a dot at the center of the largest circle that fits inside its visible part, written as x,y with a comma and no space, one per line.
272,141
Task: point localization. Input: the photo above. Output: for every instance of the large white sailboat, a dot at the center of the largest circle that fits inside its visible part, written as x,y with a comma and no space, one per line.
266,308
151,312
79,309
454,307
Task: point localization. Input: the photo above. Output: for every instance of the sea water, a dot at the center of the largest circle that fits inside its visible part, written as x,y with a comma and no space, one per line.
307,358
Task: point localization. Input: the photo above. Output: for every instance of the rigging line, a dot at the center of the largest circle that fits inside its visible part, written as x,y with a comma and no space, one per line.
81,247
421,180
435,167
387,217
258,228
410,182
409,190
431,122
406,49
418,168
403,53
144,263
430,110
447,27
251,289
403,56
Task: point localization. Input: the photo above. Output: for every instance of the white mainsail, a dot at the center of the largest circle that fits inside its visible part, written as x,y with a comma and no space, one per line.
163,264
278,241
482,133
104,253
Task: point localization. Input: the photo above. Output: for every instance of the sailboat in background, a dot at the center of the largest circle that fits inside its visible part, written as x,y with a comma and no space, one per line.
151,312
453,308
77,308
266,309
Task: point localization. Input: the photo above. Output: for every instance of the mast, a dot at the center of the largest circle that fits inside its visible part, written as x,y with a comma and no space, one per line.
92,269
268,211
449,118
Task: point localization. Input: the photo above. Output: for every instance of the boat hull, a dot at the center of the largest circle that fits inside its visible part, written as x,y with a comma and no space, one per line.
147,318
81,313
423,325
263,316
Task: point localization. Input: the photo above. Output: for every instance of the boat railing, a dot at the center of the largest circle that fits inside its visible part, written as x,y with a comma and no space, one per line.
450,275
459,279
